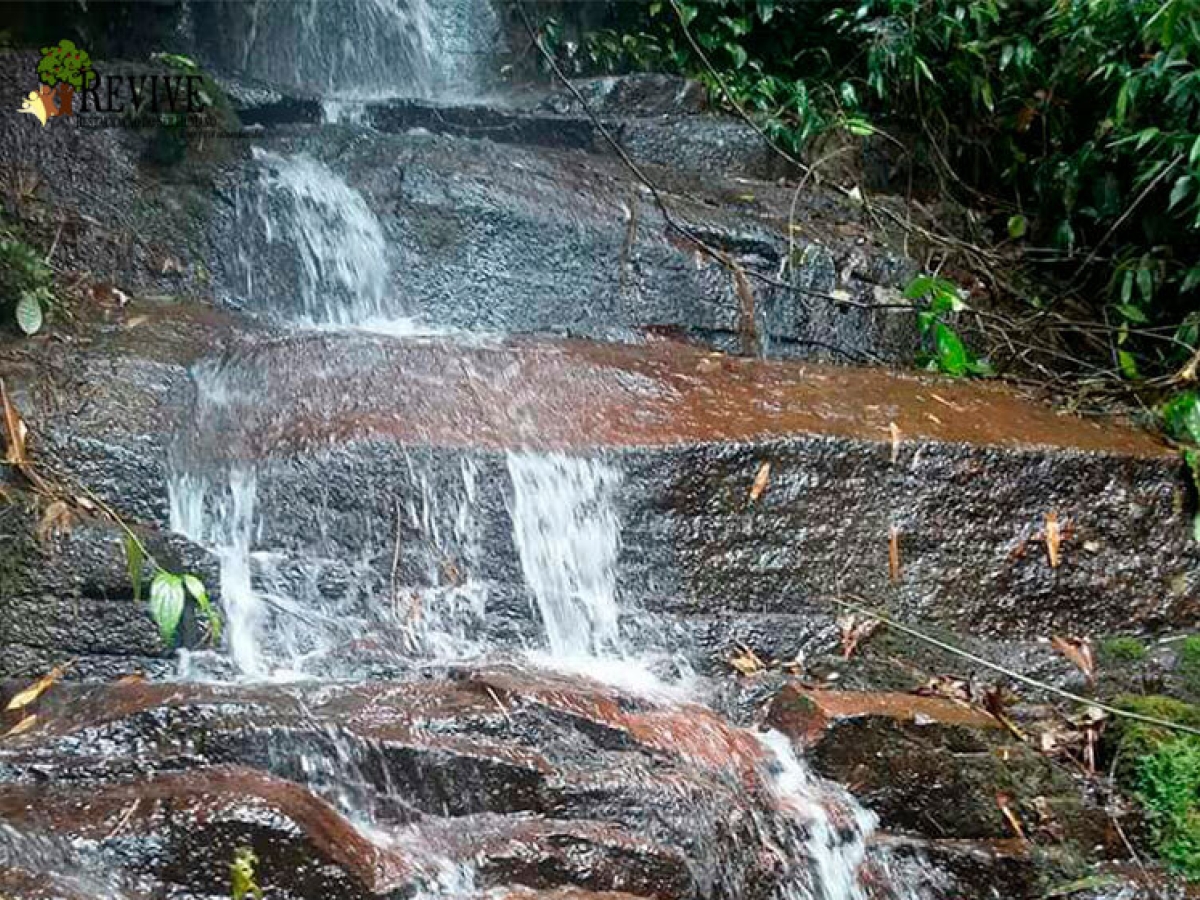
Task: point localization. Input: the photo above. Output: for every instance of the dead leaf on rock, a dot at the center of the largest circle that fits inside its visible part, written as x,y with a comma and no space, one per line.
746,661
14,431
132,678
894,554
1005,803
996,701
1079,652
39,687
760,482
894,429
1053,535
55,520
855,630
21,727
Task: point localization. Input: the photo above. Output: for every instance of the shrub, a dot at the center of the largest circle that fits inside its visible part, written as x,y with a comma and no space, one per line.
25,283
1074,125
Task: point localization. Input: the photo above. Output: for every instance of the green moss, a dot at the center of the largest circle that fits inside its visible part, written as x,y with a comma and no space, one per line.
1122,649
1163,769
1189,663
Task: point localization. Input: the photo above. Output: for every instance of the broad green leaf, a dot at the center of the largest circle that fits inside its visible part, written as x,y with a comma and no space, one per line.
195,587
918,287
1180,191
1017,226
1131,313
1181,416
951,354
135,561
737,52
1194,156
29,314
1145,283
1128,364
166,604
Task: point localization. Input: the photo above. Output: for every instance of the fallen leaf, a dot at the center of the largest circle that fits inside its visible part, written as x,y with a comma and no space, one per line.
55,520
895,432
1005,803
855,630
760,482
132,678
14,431
1079,652
21,727
746,661
39,687
136,321
894,554
1053,535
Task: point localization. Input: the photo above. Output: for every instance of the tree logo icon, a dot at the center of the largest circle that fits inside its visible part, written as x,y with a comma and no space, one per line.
63,70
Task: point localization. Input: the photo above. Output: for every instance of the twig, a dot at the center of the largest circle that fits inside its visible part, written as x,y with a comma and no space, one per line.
862,609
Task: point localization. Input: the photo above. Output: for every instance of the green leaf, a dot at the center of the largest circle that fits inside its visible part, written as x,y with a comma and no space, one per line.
1128,364
1017,225
29,314
1145,283
135,559
918,287
1194,156
951,353
1180,191
1131,313
1181,416
738,53
686,13
166,604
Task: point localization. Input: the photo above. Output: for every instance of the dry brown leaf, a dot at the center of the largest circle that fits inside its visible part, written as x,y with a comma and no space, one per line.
1079,652
132,678
24,725
855,630
760,482
136,321
1005,803
14,431
894,554
746,661
1053,535
895,432
55,520
39,687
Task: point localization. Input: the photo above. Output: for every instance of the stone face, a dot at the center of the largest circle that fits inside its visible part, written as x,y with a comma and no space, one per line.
531,781
936,767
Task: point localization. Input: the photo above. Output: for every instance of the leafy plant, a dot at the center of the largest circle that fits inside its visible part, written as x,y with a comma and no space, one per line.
25,283
946,351
1163,769
1073,126
243,880
1181,418
1189,663
168,592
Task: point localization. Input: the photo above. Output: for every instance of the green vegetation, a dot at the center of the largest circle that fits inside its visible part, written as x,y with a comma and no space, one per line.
1122,649
168,592
243,880
1163,769
1189,663
172,138
945,351
1070,127
25,283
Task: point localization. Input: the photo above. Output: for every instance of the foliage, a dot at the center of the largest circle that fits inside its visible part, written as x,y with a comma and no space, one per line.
25,283
242,876
172,138
945,350
1181,419
1189,663
1123,648
65,64
1073,124
168,592
1163,768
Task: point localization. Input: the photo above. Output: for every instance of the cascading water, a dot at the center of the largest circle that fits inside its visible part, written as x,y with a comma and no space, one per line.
566,533
355,49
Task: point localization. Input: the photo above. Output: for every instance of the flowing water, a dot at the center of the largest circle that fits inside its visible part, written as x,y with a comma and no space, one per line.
434,583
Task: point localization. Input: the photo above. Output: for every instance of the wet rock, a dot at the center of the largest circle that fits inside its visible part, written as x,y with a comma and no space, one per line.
525,779
67,595
935,767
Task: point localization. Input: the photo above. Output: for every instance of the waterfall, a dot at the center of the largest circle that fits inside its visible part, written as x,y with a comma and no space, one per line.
355,49
309,248
565,531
